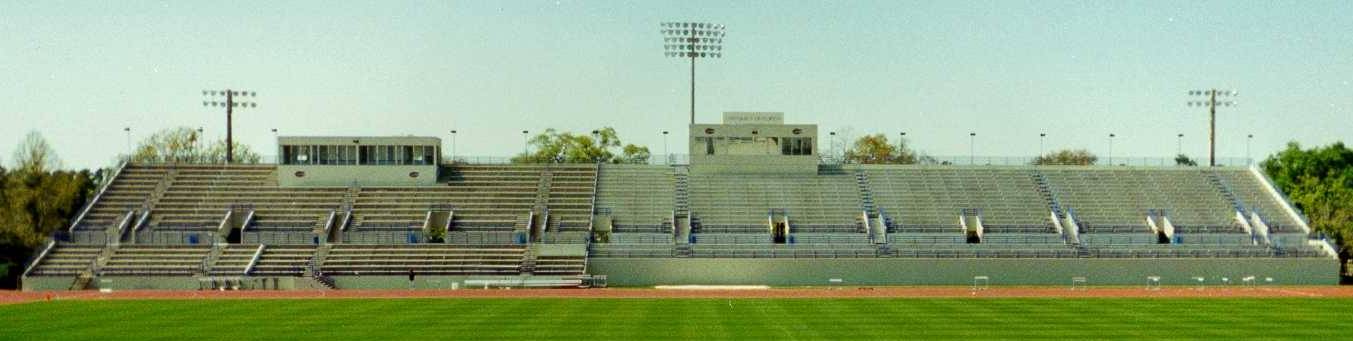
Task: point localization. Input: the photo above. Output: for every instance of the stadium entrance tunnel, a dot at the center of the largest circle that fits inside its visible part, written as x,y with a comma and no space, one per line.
780,232
778,221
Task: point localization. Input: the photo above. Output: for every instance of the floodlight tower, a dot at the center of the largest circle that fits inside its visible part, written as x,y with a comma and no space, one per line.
1210,101
210,98
692,40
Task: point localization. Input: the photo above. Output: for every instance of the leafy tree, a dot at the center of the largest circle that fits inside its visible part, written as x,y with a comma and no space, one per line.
243,153
1078,157
35,155
186,145
1184,160
35,200
1319,181
634,154
875,149
553,146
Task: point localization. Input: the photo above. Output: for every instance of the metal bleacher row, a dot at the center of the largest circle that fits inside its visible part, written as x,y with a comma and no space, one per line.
484,198
639,198
827,202
930,198
198,196
296,260
920,205
1117,199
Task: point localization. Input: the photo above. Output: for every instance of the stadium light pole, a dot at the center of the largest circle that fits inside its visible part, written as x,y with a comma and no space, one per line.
210,99
667,155
1179,144
1111,136
692,40
277,147
524,144
596,138
128,131
1041,137
1248,138
1210,101
901,144
972,148
197,141
453,145
832,143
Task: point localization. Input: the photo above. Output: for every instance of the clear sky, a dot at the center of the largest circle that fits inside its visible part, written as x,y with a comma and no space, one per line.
79,71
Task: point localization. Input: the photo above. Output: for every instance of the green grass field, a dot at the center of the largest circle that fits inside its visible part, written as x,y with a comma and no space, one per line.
702,319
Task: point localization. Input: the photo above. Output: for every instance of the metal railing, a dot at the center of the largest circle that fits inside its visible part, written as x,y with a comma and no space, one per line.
685,159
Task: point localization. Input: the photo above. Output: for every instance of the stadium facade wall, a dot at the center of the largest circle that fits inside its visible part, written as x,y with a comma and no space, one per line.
362,175
1001,271
41,283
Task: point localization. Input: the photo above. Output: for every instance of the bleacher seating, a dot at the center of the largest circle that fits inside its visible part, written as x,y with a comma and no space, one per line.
423,259
483,198
1117,199
283,260
560,265
922,205
632,250
930,199
67,260
1252,194
129,190
156,260
783,251
1179,251
640,198
233,260
198,197
985,251
827,202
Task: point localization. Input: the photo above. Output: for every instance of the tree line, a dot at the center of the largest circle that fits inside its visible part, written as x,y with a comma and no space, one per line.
38,197
877,149
602,145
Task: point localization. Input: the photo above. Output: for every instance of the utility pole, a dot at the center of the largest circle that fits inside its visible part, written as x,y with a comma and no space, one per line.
210,100
1210,101
692,40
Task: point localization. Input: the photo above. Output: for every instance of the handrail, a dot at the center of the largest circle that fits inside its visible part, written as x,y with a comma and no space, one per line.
596,182
38,259
1226,187
248,220
90,205
258,254
329,223
427,223
1277,193
122,226
145,216
347,220
225,222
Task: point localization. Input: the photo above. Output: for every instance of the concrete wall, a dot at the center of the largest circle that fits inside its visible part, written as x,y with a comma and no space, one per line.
911,271
43,283
146,282
420,281
362,175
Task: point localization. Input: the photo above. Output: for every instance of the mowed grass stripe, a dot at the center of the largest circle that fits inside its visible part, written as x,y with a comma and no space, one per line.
683,319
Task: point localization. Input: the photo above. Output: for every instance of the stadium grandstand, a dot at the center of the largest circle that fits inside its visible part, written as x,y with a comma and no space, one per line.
754,205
